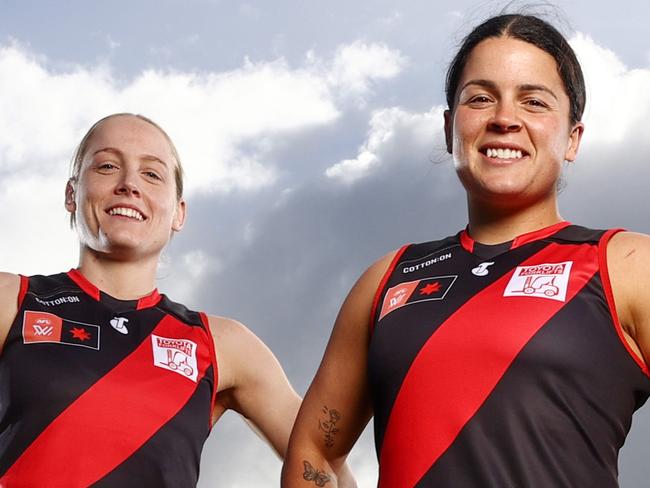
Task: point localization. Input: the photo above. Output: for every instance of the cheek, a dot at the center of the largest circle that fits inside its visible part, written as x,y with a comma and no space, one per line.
466,129
551,137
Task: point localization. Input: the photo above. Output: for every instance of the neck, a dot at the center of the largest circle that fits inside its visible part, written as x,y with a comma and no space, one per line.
490,225
122,279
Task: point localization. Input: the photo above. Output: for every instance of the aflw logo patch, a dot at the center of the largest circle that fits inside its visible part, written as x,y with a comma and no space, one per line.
416,291
548,280
48,327
177,355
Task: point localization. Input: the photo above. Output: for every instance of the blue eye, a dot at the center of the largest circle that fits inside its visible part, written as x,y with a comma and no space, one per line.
106,166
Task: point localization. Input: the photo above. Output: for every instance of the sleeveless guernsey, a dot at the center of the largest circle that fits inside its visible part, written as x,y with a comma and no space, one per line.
502,366
103,392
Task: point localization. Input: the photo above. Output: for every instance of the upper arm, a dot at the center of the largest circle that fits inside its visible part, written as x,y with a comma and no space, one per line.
9,289
628,258
341,381
252,382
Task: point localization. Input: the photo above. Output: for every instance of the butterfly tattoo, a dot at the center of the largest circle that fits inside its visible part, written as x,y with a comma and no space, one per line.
313,474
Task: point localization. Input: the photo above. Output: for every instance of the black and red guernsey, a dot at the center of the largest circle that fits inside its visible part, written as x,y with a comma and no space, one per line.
502,366
101,392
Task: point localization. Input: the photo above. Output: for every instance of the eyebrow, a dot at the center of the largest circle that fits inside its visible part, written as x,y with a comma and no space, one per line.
146,157
529,87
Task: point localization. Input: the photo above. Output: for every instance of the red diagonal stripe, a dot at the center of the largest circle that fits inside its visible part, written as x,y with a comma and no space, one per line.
461,363
110,420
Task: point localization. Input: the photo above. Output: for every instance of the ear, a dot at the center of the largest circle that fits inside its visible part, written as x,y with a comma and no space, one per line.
574,142
449,126
70,204
179,216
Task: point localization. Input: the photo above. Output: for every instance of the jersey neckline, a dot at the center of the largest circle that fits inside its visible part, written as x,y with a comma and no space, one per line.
87,287
469,244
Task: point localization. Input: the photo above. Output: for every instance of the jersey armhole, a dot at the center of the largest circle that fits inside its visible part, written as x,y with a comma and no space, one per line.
609,294
22,291
215,366
382,284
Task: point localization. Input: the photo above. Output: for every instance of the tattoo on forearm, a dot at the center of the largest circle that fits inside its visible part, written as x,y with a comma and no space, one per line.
329,425
315,475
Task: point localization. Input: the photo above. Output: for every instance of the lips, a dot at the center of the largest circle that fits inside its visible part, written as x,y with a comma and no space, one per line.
128,212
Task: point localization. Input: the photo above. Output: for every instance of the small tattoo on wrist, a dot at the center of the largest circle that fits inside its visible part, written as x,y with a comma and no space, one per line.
329,425
315,475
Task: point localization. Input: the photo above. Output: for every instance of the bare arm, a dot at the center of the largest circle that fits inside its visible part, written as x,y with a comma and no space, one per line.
628,257
252,383
337,405
9,288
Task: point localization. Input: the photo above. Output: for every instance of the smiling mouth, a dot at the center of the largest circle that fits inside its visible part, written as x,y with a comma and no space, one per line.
503,153
126,212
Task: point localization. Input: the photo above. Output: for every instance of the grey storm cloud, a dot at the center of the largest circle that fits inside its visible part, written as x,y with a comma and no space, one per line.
281,255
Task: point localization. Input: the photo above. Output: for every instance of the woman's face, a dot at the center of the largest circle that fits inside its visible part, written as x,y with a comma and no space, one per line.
510,131
125,197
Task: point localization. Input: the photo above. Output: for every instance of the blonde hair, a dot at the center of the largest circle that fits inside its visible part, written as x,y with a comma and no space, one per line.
77,158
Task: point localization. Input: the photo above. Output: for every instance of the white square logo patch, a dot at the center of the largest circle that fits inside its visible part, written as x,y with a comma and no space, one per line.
548,280
177,355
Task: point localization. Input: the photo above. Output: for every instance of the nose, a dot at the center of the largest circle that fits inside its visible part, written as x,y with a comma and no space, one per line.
505,118
128,183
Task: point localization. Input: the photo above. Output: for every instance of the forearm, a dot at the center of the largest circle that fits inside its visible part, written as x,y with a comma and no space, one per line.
307,467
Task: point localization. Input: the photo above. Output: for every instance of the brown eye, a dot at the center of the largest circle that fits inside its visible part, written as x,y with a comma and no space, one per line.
535,103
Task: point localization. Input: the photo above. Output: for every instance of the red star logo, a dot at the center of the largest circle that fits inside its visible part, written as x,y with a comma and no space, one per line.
80,333
430,288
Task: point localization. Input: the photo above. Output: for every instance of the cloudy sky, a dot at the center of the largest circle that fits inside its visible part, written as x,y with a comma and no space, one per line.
311,138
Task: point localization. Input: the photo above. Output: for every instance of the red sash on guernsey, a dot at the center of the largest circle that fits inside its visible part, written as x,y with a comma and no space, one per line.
461,363
135,395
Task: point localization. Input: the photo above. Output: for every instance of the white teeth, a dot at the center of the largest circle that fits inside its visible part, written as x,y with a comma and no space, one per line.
126,212
504,153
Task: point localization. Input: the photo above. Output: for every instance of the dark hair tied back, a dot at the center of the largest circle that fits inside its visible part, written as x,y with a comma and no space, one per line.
532,30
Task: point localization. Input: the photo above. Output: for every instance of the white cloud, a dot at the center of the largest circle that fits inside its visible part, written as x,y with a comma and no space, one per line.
38,239
394,134
224,124
618,98
618,110
358,64
211,116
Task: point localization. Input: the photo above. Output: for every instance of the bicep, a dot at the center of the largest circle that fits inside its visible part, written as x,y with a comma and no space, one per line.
258,390
629,270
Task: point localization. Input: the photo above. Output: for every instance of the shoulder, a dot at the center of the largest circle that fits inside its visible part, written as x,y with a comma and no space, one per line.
374,274
8,282
629,253
230,330
628,244
9,290
356,311
241,355
628,262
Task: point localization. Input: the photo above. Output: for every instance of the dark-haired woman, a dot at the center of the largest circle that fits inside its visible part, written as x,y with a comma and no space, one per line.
508,355
104,381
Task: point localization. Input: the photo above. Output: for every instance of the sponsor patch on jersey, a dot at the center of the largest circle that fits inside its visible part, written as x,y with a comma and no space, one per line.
417,265
547,280
58,301
39,327
177,355
435,288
